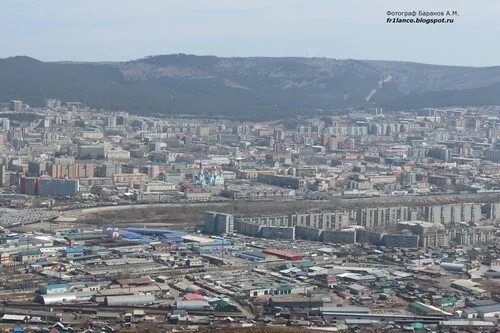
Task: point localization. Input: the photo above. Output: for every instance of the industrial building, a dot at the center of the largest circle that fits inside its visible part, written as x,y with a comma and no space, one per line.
283,254
129,300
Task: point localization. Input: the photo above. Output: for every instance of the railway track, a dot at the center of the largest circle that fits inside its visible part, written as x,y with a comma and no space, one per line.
84,308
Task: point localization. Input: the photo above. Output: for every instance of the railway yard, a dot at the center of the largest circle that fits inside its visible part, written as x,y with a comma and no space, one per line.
117,277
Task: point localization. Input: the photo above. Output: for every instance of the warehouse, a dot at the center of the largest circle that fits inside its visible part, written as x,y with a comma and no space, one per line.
54,288
354,312
167,234
357,289
134,281
469,286
250,255
70,252
489,311
10,318
64,298
427,310
466,325
344,309
128,290
129,300
295,302
454,267
192,305
283,254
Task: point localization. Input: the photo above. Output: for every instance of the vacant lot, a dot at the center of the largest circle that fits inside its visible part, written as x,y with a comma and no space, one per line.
190,214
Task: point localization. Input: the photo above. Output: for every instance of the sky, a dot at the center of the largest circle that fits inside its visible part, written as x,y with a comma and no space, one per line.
117,30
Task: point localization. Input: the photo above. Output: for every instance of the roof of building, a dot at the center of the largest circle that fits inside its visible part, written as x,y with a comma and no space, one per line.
482,302
356,287
83,235
30,252
356,276
194,296
56,286
75,249
360,321
352,309
488,308
447,300
105,314
135,281
197,239
467,323
428,308
12,317
280,253
469,310
129,299
130,235
156,231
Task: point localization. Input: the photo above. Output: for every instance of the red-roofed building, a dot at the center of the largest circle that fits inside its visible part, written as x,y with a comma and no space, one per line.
283,254
194,296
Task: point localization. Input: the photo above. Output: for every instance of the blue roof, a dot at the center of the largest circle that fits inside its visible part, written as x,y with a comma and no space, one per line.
43,262
156,231
76,249
18,329
146,240
250,255
56,286
130,235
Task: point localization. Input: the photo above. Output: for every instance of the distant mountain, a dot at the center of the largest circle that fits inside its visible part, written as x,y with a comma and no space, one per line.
247,88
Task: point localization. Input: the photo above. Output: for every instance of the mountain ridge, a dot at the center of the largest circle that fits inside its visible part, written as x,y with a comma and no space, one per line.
247,87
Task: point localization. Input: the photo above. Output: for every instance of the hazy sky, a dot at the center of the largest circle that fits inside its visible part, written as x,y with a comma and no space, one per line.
97,30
